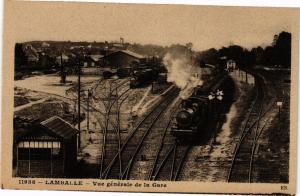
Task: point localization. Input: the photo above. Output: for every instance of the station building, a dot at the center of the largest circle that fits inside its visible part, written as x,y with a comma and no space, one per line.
47,149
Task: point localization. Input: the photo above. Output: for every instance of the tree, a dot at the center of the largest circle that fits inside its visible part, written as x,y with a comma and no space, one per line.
189,45
283,49
279,53
258,54
248,58
20,57
209,56
236,53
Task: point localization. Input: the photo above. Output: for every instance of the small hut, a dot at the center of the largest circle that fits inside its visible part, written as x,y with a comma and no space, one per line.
48,149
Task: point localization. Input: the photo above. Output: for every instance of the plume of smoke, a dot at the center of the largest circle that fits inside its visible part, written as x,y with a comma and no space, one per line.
183,73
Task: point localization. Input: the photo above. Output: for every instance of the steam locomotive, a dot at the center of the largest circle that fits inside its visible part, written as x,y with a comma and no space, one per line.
202,107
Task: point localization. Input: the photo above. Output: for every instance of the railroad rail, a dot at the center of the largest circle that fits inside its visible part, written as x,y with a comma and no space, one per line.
171,154
147,155
168,165
112,90
164,165
242,162
120,165
111,139
111,143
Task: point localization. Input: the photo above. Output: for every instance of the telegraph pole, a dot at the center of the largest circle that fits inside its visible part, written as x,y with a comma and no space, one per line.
74,113
63,73
88,109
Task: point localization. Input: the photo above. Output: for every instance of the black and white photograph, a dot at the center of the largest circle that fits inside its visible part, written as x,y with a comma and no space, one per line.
153,93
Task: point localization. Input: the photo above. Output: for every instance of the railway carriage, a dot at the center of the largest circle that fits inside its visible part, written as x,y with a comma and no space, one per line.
143,77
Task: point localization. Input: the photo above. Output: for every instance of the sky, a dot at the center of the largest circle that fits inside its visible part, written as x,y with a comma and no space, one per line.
205,27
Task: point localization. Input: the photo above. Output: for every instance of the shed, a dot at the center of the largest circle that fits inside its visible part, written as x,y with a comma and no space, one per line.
48,149
121,59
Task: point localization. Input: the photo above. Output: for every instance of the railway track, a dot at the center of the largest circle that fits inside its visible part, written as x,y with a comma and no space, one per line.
278,163
242,162
171,155
111,142
153,144
113,85
121,164
168,162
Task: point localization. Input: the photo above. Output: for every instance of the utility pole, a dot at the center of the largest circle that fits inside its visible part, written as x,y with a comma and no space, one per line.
88,109
152,87
62,70
74,113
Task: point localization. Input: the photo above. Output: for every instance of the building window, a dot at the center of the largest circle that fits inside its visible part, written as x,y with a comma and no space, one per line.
23,153
34,153
40,154
56,153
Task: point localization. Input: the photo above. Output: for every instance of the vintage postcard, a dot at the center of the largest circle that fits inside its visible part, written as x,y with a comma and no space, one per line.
149,98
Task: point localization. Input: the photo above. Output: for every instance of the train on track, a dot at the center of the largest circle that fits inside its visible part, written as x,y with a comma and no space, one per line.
142,72
203,107
143,77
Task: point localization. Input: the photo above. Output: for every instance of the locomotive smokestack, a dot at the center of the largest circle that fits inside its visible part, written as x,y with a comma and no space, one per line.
183,73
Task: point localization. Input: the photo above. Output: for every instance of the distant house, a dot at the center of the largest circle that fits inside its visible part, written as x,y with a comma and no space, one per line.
121,59
46,60
31,54
118,46
230,65
62,57
65,57
93,60
45,45
47,149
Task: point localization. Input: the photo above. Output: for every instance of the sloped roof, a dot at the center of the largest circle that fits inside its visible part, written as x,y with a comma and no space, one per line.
27,128
96,57
63,56
136,55
118,45
130,53
59,127
30,51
